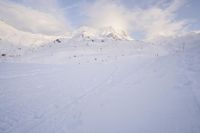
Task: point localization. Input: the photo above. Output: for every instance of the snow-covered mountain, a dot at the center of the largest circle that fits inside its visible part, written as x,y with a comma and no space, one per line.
83,42
85,32
108,33
102,87
116,34
124,86
11,35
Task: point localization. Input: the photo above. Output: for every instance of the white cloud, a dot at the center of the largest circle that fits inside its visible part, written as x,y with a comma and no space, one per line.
47,17
175,5
107,13
34,20
152,22
156,22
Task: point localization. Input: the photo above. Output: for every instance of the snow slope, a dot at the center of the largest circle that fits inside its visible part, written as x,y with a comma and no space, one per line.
16,43
81,86
78,50
89,51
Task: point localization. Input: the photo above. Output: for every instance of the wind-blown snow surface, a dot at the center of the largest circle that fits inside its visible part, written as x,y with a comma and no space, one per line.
101,87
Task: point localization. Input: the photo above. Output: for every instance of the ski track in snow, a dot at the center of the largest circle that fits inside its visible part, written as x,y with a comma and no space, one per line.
192,64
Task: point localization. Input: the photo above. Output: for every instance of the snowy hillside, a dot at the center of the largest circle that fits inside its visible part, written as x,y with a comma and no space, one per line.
15,43
85,44
98,81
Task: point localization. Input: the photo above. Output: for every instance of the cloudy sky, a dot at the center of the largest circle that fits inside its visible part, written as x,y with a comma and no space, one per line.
140,18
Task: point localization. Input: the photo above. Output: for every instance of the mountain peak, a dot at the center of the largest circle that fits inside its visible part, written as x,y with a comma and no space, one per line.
113,33
101,33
